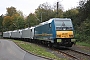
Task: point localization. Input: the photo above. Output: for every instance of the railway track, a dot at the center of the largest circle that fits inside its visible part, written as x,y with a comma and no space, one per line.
75,54
80,52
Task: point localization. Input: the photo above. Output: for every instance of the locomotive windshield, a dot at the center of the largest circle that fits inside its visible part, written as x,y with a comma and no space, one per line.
63,25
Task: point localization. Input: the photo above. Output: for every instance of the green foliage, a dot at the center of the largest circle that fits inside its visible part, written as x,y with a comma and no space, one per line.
83,44
1,20
83,31
31,20
18,22
81,21
7,22
11,10
71,13
84,10
13,20
44,12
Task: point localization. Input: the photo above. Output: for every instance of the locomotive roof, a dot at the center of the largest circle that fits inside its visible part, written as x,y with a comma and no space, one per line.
61,19
49,21
16,30
5,32
28,28
32,27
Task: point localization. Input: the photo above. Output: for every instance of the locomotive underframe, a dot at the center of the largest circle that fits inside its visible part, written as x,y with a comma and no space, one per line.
65,42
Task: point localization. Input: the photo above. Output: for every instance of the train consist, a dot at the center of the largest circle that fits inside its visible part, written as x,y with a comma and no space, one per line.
54,32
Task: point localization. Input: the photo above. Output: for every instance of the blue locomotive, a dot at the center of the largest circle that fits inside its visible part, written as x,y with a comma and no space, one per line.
56,31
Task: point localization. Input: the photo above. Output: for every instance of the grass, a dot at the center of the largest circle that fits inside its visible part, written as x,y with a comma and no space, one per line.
35,49
83,44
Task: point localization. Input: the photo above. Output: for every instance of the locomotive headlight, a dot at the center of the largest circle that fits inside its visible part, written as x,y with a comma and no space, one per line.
73,40
59,40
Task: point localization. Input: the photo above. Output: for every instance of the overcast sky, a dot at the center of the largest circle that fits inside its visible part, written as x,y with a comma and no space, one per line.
29,6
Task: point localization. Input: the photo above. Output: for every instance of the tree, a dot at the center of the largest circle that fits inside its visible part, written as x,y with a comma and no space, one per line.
20,23
84,10
72,14
31,20
11,11
17,21
20,13
83,20
7,23
13,20
1,20
44,12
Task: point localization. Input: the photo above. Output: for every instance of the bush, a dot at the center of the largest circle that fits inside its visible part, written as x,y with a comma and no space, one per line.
82,38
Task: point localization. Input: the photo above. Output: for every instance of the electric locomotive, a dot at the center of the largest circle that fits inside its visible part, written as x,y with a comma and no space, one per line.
57,31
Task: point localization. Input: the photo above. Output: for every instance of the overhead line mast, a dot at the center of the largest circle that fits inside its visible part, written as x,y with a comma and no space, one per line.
57,8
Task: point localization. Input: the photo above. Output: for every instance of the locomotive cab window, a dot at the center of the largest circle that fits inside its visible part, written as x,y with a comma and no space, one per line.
50,25
63,25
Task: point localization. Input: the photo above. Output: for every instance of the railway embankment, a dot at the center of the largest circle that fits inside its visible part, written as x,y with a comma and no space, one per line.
41,51
37,50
